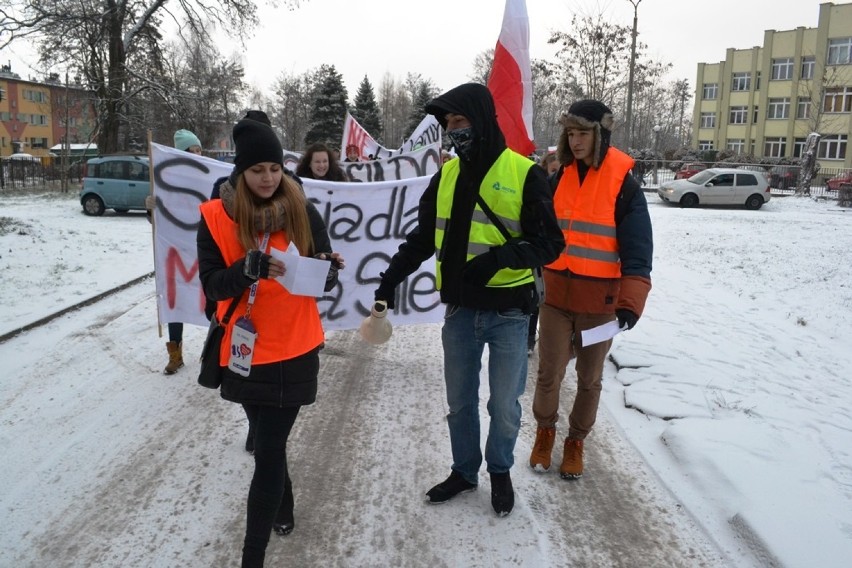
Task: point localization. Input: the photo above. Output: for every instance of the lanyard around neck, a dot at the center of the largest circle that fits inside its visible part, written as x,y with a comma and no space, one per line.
253,291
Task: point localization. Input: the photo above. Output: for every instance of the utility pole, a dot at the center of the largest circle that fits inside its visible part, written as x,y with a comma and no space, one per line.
65,147
630,78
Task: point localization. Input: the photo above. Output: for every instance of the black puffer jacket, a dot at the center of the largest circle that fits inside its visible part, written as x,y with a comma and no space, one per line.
287,383
541,239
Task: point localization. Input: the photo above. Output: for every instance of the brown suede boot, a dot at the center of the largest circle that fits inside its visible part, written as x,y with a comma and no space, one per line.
543,447
572,459
175,357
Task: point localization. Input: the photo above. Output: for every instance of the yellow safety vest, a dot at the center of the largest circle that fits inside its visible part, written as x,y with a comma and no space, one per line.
502,189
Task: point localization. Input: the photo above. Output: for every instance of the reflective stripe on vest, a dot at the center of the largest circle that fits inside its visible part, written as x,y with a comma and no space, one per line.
502,189
586,215
278,339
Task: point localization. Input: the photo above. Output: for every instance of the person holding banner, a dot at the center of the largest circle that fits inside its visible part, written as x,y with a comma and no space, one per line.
184,140
602,275
270,350
489,215
317,163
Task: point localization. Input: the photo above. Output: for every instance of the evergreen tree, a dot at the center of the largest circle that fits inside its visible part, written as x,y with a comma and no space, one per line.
423,93
329,108
366,110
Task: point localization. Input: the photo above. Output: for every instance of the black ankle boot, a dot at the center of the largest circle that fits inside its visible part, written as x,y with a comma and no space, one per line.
284,522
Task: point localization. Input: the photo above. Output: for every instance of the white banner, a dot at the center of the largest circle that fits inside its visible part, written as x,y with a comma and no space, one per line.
427,133
366,223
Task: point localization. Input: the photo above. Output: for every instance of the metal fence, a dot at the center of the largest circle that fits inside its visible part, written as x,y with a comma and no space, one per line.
782,178
20,174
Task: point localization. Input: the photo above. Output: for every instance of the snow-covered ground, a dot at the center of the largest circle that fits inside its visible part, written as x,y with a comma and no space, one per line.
725,437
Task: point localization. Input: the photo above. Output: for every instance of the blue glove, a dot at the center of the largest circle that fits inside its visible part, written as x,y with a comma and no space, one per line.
480,269
626,317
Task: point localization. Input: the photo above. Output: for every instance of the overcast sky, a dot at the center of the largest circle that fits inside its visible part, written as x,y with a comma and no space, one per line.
441,38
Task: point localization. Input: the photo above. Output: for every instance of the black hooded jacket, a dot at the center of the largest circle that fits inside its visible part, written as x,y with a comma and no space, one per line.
541,239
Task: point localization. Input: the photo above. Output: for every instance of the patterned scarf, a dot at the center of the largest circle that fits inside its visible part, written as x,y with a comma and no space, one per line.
268,216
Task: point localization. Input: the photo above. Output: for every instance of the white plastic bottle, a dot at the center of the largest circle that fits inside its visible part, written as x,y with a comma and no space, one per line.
376,328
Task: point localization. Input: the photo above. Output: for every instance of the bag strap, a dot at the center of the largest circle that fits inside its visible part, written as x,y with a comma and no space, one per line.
493,216
230,311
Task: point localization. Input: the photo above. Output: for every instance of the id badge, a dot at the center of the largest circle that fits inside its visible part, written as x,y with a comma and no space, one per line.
242,347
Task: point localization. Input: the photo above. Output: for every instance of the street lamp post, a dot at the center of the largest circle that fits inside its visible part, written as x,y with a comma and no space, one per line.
630,77
657,129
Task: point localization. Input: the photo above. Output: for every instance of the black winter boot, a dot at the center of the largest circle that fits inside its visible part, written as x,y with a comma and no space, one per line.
502,494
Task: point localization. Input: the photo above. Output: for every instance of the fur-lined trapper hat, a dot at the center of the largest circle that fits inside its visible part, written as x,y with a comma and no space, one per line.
586,115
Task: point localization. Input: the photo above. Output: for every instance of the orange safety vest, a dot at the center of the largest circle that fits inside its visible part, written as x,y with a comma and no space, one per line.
287,325
586,215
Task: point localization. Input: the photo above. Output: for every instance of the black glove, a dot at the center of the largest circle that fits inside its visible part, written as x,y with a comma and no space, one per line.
331,277
626,317
256,264
479,270
386,291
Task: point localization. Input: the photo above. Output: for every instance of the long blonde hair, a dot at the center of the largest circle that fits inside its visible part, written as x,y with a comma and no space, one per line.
285,210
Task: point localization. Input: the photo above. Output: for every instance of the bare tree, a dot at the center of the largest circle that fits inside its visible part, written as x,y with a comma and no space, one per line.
101,38
292,105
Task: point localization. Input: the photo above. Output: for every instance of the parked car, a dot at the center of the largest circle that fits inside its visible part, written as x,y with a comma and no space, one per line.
718,186
118,182
838,180
24,157
760,169
689,169
784,177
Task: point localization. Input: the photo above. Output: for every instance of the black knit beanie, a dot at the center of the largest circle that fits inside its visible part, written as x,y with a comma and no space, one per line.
256,142
259,116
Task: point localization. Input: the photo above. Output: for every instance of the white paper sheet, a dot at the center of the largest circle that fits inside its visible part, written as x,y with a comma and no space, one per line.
600,333
303,276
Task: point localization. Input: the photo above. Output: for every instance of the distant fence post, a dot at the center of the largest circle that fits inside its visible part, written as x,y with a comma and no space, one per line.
844,195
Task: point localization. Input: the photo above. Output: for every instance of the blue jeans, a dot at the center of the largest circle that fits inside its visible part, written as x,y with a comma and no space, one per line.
464,335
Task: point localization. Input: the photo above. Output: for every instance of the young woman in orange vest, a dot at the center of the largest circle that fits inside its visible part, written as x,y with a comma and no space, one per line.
270,368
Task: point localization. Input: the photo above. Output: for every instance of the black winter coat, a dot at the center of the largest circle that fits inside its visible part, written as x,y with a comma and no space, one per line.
286,383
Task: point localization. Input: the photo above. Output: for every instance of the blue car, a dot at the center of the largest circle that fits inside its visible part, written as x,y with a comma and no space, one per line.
118,182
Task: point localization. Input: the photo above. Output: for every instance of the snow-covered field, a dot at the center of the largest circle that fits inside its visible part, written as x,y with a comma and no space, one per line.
724,439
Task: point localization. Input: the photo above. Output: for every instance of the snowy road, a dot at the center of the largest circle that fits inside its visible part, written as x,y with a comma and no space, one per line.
110,463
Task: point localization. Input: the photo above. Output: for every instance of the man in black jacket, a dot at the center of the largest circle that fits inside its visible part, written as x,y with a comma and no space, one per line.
489,214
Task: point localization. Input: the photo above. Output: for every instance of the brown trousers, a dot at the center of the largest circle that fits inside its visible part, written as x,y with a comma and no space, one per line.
559,342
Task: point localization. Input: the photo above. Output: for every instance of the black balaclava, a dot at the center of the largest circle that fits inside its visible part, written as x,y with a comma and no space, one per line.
474,102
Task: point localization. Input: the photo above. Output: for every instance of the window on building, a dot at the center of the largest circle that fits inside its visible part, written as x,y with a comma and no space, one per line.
741,81
35,96
839,51
735,145
832,147
774,147
757,82
778,108
708,120
803,107
837,99
782,69
739,115
799,147
808,65
705,144
754,115
38,142
710,91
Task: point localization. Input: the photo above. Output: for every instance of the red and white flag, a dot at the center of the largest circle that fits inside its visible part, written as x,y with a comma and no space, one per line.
510,82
